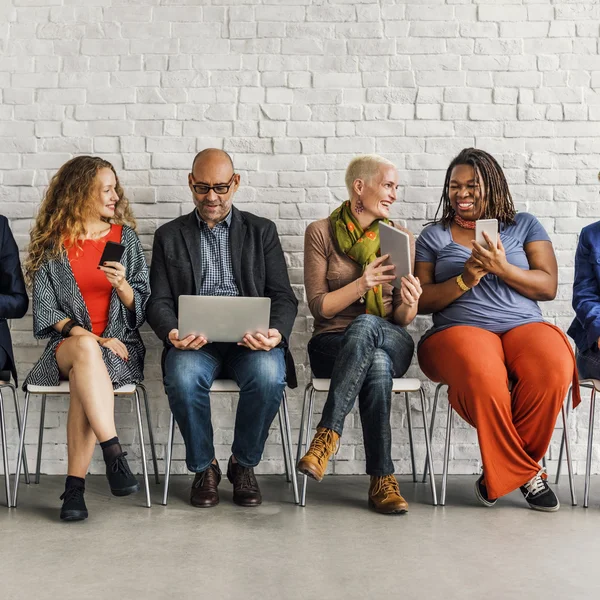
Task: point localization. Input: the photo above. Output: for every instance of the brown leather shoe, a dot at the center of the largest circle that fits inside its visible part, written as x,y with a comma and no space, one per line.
245,487
204,489
323,445
384,496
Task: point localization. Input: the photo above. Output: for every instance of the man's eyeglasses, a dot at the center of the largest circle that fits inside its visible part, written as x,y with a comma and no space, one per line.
221,188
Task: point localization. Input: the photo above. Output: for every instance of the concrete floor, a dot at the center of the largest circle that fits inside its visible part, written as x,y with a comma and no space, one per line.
333,548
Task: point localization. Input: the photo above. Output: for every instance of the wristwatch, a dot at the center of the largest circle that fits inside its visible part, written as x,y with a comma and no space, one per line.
461,284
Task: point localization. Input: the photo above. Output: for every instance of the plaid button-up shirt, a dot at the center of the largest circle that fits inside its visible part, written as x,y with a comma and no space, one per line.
217,269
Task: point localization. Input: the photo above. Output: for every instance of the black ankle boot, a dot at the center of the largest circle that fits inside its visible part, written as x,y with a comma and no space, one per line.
120,478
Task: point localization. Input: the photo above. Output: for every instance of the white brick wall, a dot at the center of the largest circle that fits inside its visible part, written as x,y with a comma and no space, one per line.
293,89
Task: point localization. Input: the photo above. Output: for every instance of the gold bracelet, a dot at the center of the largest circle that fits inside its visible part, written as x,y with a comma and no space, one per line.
461,284
361,297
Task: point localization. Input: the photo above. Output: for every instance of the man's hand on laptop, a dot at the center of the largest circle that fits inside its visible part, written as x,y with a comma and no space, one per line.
191,342
262,342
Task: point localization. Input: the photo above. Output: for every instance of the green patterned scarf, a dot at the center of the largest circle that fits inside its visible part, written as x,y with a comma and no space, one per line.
361,246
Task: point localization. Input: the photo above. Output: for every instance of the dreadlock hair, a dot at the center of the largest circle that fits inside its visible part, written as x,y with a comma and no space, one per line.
498,201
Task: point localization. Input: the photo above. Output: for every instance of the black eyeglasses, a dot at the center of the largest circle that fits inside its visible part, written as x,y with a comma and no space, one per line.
220,188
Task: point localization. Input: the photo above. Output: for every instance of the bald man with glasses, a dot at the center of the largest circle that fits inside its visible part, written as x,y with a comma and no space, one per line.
218,250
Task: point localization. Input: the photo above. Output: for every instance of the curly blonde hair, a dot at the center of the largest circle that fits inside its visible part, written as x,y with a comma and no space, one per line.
66,207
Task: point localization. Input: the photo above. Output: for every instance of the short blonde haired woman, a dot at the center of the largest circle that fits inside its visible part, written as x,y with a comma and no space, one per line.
90,313
359,338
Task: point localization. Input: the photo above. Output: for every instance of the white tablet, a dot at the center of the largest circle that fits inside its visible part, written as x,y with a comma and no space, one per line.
223,318
396,243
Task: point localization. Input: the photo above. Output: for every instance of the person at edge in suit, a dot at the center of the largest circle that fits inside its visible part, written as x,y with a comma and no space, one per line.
585,328
218,250
360,339
507,369
91,314
13,295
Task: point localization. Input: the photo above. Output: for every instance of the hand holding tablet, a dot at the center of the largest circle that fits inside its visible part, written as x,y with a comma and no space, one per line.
396,243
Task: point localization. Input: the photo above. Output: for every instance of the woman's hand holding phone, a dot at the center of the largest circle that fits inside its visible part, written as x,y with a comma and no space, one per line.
492,260
115,273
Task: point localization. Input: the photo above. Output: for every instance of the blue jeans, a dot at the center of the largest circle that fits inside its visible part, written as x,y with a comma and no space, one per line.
588,363
362,361
188,376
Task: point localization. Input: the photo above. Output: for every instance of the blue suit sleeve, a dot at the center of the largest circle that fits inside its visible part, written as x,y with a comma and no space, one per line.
586,288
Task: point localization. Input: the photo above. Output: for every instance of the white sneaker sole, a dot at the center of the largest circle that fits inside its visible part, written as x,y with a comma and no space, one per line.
481,498
545,508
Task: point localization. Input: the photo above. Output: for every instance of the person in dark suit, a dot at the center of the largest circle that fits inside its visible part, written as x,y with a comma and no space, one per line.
217,250
585,328
13,297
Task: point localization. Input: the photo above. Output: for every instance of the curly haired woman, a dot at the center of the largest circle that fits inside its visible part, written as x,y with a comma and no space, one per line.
488,332
90,312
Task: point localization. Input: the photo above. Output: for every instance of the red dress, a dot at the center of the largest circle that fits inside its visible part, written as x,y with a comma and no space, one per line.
92,282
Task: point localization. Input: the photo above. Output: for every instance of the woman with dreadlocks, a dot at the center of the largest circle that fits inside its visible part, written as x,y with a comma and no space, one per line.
488,332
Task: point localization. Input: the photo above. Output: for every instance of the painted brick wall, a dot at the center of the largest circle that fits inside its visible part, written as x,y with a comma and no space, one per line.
293,89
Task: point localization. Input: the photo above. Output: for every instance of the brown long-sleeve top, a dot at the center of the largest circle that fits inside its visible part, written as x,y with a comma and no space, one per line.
327,269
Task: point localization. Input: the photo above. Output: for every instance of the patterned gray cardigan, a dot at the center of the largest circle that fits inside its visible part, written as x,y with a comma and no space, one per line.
56,296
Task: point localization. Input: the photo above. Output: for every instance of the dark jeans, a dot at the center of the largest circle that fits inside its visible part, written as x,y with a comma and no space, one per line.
188,376
362,361
588,364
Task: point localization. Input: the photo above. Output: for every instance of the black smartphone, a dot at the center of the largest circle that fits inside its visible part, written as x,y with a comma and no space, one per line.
112,251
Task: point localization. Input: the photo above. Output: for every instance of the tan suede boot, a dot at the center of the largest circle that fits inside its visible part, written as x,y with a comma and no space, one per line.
384,496
314,462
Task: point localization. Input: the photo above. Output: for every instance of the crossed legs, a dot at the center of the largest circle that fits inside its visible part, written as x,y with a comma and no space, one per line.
91,408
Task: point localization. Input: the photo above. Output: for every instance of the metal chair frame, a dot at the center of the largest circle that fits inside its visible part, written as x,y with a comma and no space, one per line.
228,386
6,383
565,441
594,385
400,386
63,390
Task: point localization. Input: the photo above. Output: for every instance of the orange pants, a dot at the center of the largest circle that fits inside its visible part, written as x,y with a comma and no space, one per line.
513,428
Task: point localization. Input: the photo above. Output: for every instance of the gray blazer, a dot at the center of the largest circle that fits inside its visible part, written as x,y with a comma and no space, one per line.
259,270
56,296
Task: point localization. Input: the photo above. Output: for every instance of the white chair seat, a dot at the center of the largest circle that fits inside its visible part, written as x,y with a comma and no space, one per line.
219,385
589,383
400,385
63,388
224,385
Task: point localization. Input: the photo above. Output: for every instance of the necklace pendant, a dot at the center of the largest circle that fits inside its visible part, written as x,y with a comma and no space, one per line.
361,300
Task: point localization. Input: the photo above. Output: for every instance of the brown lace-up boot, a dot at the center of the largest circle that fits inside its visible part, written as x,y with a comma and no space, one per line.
384,496
314,462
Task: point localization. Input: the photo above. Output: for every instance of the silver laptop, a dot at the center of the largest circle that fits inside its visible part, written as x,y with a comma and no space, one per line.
223,318
396,243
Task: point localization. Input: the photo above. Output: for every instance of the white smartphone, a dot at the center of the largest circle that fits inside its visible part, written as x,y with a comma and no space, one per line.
490,226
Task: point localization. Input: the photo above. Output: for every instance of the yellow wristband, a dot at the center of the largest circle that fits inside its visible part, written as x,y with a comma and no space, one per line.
461,284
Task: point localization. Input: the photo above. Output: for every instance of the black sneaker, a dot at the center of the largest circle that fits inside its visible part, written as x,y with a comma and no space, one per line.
120,478
73,508
538,494
481,493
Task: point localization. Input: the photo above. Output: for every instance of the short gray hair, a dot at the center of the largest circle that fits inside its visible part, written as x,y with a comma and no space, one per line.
364,167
